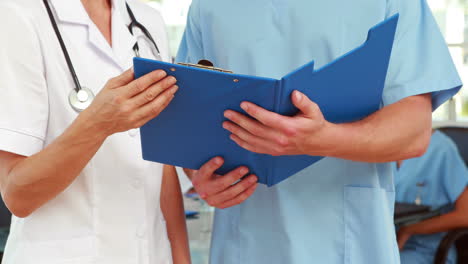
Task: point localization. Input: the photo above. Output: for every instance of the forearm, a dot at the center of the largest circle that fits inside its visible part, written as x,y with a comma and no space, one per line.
173,209
457,218
443,223
396,132
37,179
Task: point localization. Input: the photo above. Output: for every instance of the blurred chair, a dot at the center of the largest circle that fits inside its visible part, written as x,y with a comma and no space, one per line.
459,237
5,215
460,136
5,220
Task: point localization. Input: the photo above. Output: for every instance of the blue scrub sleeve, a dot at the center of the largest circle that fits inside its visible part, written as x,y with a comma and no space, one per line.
455,173
420,61
191,47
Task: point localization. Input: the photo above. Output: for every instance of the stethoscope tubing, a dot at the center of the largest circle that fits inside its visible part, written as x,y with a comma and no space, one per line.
63,47
134,23
81,97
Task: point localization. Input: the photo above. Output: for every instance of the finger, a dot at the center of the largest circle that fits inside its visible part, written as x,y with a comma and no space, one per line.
245,135
240,198
268,118
254,127
153,91
139,85
247,146
222,183
232,191
207,171
123,79
219,184
304,104
153,109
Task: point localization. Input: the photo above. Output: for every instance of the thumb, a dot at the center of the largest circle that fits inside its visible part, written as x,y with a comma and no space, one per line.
303,103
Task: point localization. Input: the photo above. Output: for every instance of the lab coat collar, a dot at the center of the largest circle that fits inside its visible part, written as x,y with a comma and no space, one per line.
122,40
119,6
70,11
121,52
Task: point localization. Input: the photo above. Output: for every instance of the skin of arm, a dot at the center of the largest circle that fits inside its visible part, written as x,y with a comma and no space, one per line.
458,218
172,207
27,183
373,139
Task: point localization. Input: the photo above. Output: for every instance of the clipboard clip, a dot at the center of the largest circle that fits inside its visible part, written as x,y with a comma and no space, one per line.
205,64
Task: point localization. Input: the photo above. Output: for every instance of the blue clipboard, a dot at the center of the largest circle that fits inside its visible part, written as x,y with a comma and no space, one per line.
189,131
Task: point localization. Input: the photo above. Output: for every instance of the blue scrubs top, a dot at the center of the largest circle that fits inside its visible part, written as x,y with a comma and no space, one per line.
335,211
444,176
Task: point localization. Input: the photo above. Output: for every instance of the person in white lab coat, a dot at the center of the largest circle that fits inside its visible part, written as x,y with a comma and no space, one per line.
75,181
79,190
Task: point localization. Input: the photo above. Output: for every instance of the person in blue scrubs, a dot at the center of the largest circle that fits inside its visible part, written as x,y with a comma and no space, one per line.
339,210
437,179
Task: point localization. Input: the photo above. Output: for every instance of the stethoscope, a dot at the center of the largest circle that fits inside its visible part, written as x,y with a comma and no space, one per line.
81,97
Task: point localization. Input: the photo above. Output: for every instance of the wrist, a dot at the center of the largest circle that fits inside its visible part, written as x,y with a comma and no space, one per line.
85,123
329,141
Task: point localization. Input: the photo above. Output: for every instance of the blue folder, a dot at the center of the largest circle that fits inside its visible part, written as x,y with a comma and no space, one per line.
189,131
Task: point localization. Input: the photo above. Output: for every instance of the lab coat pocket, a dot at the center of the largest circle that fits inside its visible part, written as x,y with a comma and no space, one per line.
69,251
369,230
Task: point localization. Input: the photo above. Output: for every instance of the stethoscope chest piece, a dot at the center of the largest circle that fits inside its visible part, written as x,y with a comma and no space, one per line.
81,99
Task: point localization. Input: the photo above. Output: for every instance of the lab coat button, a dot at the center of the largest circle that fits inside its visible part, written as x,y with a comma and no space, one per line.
133,132
141,233
137,183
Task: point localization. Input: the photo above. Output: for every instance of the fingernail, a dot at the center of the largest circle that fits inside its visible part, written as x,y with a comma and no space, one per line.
228,114
298,96
173,79
175,88
161,73
225,126
254,179
218,161
244,171
245,106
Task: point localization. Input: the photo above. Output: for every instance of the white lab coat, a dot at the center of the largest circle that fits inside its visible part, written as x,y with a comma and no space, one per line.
110,214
